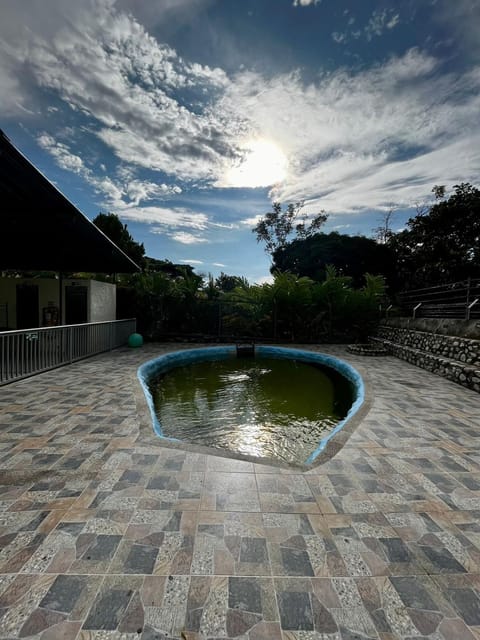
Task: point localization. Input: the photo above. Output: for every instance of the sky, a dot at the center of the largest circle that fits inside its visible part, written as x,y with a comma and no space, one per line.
188,118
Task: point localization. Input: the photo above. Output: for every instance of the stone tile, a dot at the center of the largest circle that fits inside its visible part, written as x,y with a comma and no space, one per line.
63,593
229,465
295,611
230,492
232,607
168,614
109,607
285,494
22,606
230,544
140,559
160,542
463,594
365,541
94,553
180,491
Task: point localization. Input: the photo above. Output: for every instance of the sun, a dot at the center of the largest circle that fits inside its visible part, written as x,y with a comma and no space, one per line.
263,165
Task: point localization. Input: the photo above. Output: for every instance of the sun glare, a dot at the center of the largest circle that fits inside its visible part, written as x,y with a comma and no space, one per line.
264,165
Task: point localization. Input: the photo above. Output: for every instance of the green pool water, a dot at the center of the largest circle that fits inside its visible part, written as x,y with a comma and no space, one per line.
260,407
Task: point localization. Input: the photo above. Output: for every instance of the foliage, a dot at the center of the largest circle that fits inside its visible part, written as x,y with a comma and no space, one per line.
277,225
291,300
245,311
172,300
228,283
351,256
167,267
118,232
294,308
443,244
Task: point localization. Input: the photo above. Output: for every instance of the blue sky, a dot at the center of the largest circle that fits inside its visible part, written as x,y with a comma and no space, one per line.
187,118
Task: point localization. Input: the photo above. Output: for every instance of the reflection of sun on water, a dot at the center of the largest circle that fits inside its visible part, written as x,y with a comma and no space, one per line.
264,164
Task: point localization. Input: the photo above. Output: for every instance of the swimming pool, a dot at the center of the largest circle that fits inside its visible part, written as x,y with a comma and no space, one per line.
203,415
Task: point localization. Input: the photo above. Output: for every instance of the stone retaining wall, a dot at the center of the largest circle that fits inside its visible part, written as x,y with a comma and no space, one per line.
450,347
457,359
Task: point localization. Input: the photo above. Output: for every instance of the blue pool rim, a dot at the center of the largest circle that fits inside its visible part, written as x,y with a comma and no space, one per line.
174,359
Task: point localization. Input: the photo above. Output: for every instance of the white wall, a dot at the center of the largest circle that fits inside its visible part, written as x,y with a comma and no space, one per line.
102,301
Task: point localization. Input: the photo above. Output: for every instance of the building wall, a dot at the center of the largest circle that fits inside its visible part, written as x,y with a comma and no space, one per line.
48,292
101,298
102,301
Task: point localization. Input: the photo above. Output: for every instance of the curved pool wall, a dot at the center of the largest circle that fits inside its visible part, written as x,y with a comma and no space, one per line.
164,363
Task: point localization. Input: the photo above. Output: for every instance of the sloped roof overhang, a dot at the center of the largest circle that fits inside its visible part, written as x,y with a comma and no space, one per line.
41,230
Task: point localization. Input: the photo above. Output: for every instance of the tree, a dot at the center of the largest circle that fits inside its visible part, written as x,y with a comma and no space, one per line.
442,245
352,256
228,283
439,191
118,233
171,269
277,225
384,230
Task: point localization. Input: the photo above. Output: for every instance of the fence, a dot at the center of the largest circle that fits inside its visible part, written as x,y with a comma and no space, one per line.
459,300
29,351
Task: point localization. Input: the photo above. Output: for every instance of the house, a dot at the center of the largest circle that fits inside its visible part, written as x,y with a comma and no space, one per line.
42,231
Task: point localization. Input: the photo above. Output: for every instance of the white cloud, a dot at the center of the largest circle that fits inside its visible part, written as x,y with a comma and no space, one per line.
378,23
358,140
224,225
103,63
265,280
251,222
355,140
339,37
218,264
187,238
173,218
125,198
120,193
63,156
305,3
185,261
137,190
381,21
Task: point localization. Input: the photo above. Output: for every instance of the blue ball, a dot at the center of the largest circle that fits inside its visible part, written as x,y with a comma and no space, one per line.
135,340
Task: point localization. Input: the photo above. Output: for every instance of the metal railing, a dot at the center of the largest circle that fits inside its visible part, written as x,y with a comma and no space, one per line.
29,351
459,300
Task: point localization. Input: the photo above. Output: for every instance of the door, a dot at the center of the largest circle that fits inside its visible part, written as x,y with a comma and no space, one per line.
76,311
27,306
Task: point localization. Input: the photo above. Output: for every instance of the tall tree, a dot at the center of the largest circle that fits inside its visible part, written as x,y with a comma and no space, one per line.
443,244
112,227
277,226
352,256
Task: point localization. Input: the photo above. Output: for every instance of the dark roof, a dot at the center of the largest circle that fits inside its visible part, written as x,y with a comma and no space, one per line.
40,230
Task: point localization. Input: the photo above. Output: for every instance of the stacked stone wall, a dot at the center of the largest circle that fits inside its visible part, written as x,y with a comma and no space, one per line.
457,359
451,347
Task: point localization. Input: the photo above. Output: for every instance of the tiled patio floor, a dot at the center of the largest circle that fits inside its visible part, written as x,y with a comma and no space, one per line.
106,534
